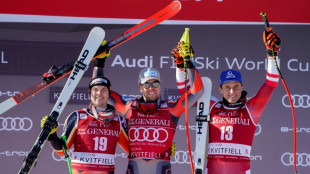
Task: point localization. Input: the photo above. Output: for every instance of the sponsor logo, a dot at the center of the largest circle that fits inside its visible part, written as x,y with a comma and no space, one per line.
83,116
79,65
122,155
201,119
9,93
14,153
15,124
148,134
299,101
154,122
181,157
130,97
183,127
56,157
258,130
79,96
172,95
302,159
298,130
256,158
147,61
239,121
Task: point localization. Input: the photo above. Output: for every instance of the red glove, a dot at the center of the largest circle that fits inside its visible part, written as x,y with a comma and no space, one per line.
183,52
272,42
178,59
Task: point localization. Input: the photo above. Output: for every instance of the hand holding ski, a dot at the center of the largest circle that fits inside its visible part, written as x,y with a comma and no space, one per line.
94,39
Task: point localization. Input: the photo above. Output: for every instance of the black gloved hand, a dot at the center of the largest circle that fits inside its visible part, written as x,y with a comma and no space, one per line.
272,42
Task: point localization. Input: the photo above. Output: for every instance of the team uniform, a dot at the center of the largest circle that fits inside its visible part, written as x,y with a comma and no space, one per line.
232,127
94,141
151,133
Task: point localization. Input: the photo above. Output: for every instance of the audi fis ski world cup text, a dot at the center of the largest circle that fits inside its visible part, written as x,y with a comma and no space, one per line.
293,64
3,60
207,63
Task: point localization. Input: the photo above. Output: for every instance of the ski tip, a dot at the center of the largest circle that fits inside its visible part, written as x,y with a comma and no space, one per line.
98,30
207,83
97,35
206,79
177,5
185,36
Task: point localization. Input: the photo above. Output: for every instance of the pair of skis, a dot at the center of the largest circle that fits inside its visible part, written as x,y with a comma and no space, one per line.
90,51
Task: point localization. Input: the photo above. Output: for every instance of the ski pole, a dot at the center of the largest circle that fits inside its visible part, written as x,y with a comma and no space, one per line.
65,148
185,40
268,28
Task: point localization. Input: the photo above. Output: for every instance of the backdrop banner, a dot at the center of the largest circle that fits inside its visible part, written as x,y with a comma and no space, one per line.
27,50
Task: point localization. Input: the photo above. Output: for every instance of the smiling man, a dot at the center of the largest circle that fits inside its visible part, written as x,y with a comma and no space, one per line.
93,132
234,118
152,121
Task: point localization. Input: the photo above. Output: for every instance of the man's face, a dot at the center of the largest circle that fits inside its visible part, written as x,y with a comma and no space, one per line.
99,96
149,90
231,91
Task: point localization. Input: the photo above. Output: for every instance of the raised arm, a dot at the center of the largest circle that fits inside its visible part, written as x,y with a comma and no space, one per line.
258,103
193,80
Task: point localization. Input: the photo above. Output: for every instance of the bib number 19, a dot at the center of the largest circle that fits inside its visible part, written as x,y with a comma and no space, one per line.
100,143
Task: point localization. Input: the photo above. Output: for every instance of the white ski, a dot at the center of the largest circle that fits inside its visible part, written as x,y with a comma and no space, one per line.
91,46
202,121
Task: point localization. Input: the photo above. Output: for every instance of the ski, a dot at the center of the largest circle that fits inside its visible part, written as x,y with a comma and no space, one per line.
202,121
91,45
51,77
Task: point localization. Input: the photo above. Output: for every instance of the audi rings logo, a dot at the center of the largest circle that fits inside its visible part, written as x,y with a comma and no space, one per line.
56,157
148,134
302,159
258,129
181,157
299,101
15,124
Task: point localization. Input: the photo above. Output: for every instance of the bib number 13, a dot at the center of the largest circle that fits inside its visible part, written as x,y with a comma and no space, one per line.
226,132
